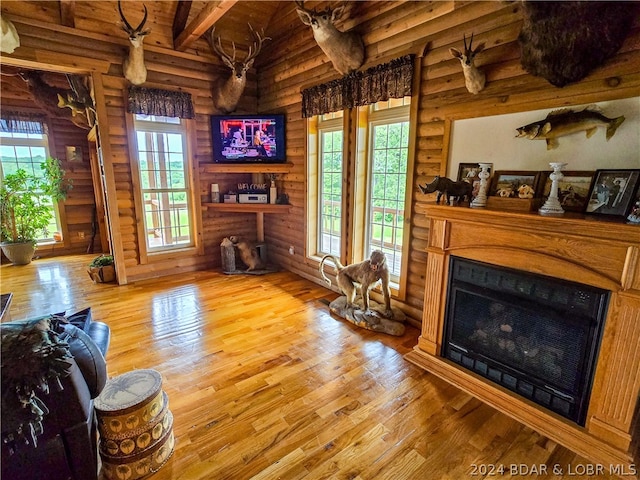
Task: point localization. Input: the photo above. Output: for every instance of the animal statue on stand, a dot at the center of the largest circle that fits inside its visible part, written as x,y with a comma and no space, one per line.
248,253
566,121
344,49
228,91
457,191
133,66
474,79
367,274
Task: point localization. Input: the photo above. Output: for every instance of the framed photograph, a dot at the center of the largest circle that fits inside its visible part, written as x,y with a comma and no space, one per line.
573,189
74,154
469,172
613,192
515,184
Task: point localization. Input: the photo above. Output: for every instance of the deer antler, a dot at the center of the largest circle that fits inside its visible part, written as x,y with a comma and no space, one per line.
257,44
228,60
128,28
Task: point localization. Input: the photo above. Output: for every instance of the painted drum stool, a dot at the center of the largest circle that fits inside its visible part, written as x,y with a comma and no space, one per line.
135,425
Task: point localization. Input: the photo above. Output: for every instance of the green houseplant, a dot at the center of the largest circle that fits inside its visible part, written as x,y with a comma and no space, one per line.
22,214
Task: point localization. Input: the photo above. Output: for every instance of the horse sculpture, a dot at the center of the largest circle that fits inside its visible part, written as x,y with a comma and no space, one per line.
456,190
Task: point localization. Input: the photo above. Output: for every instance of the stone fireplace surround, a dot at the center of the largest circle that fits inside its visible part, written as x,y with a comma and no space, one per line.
578,248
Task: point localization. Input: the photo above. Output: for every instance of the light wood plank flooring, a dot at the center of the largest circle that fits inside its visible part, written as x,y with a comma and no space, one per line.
264,383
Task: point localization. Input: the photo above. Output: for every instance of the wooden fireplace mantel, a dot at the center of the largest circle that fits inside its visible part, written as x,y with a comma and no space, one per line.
573,247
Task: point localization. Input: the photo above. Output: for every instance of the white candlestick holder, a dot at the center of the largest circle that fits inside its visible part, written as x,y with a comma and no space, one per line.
481,198
552,205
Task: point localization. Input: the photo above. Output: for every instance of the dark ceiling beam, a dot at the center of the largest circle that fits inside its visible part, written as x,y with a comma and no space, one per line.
210,14
68,13
181,17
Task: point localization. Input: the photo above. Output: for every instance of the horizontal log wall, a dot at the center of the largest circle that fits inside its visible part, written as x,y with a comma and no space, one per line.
76,212
392,29
96,44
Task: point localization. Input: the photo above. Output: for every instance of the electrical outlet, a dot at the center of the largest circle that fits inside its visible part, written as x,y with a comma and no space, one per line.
80,234
292,250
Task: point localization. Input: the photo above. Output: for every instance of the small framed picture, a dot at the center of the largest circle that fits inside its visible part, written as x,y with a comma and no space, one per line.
515,184
469,173
573,189
74,154
613,192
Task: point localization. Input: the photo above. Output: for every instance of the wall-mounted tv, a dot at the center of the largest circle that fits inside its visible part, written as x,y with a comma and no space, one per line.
248,138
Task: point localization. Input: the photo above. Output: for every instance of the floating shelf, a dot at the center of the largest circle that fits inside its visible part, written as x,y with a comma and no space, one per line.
248,207
247,167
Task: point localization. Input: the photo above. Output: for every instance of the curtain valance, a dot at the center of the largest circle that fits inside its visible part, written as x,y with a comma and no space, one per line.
22,122
165,103
376,84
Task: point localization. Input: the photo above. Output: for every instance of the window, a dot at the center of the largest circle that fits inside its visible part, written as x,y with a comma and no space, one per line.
371,214
386,191
28,151
330,185
165,192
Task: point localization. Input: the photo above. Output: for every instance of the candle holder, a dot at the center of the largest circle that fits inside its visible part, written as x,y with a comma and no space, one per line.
552,205
483,175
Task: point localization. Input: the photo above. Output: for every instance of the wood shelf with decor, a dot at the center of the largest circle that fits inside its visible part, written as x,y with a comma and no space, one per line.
247,167
258,208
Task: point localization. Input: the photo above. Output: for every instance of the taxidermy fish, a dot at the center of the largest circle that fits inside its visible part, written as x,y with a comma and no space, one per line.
566,121
75,106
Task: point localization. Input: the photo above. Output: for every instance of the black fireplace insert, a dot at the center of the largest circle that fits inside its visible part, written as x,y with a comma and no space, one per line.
535,335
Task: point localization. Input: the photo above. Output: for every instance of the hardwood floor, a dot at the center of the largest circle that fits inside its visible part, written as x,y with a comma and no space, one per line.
264,383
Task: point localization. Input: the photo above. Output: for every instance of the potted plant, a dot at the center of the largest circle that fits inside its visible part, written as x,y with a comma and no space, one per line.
22,214
102,269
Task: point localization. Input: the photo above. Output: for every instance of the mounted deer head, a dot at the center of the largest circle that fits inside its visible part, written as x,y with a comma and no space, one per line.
344,49
133,66
474,79
228,91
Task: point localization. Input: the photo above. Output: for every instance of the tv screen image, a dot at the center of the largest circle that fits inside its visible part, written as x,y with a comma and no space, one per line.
248,138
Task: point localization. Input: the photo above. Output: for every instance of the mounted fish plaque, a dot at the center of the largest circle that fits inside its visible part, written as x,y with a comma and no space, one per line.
566,121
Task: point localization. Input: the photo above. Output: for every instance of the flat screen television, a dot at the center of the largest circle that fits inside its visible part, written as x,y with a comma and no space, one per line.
248,138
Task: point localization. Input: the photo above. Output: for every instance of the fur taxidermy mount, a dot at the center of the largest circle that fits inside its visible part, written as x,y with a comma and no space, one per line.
133,66
344,49
564,41
474,79
227,91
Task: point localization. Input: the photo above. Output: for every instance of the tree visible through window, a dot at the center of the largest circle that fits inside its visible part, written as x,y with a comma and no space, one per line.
164,182
330,192
387,189
28,151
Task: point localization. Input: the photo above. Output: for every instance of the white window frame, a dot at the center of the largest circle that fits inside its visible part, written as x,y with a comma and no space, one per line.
149,253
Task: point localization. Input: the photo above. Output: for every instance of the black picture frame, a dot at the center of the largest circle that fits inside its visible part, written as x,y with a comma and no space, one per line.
612,192
507,184
573,189
469,173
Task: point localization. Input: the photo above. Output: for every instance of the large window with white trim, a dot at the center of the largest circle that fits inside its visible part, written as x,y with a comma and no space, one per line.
362,206
163,167
29,151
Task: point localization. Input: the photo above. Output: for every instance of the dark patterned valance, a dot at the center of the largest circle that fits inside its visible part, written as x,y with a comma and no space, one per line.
376,84
21,122
164,103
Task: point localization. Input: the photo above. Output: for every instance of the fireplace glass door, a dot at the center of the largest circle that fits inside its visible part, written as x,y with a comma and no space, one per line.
535,335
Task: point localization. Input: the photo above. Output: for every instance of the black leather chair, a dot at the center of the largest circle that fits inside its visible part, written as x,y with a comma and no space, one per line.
67,447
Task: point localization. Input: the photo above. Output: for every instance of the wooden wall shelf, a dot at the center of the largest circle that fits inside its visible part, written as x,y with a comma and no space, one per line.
248,207
247,167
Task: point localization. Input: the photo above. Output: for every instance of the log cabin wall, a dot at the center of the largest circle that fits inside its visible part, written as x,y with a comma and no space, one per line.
48,45
392,29
76,213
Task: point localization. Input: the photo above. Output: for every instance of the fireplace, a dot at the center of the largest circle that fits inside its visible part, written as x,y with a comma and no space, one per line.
535,335
539,317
